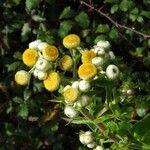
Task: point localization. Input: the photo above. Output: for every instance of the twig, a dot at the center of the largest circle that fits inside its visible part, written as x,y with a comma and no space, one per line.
114,22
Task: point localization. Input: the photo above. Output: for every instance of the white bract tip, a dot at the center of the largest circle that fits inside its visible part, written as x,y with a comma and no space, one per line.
112,55
42,64
70,112
42,46
112,72
75,84
98,61
91,145
141,112
42,75
34,44
84,86
103,44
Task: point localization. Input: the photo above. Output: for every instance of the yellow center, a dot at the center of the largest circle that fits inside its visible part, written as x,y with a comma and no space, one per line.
87,56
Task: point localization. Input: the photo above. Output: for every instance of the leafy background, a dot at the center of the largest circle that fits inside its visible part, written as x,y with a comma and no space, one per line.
28,120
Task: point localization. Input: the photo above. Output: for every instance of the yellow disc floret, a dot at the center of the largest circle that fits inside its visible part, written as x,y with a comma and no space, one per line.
30,57
87,56
87,71
71,41
71,95
50,53
52,81
66,62
22,77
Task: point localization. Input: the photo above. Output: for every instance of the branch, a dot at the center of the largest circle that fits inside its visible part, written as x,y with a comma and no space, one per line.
114,22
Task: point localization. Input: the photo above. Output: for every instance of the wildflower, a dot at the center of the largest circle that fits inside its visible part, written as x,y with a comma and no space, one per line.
71,94
87,56
42,46
52,81
84,85
98,61
66,62
88,137
75,85
141,111
99,51
112,72
103,44
42,75
30,57
87,71
42,64
91,145
34,44
70,112
22,77
50,53
35,73
81,138
71,41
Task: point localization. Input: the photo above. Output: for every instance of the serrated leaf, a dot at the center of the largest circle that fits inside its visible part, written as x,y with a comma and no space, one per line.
23,110
67,13
114,8
102,28
82,19
65,28
31,4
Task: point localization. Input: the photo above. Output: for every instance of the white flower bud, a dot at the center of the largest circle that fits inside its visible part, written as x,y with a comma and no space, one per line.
141,111
91,145
88,137
34,44
70,112
35,73
42,75
42,64
101,52
42,46
81,138
67,87
112,55
75,85
103,44
99,147
112,72
84,85
98,61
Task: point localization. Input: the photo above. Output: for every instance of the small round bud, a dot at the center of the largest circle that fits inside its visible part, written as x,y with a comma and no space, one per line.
99,147
67,87
84,85
81,138
112,72
34,44
42,46
35,73
88,137
141,111
70,112
42,75
75,84
98,61
112,55
42,64
103,44
91,145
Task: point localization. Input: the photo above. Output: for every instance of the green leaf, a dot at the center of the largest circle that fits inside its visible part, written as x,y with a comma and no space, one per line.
113,34
111,1
17,55
26,29
140,19
82,19
102,28
23,110
31,4
125,5
114,8
65,28
145,13
67,13
16,2
27,94
133,17
134,11
13,66
17,99
100,37
38,18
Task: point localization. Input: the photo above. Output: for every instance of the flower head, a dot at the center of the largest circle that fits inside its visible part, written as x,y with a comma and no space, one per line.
71,94
87,56
52,81
34,44
22,77
50,53
87,71
71,41
70,111
30,57
66,62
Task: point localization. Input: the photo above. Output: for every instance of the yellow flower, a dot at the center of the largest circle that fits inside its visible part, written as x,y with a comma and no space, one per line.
71,94
22,77
50,53
87,56
71,41
66,62
87,71
52,81
30,57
